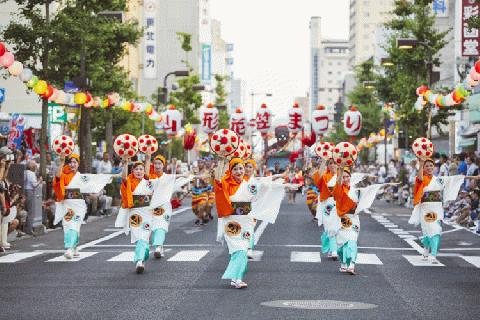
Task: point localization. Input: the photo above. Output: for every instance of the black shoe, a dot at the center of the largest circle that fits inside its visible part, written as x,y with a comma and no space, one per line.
197,222
157,255
1,249
205,221
210,216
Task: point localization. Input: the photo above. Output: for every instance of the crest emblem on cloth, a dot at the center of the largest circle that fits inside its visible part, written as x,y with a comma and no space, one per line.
253,189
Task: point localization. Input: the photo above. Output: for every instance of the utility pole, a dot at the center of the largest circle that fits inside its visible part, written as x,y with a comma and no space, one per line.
43,133
85,136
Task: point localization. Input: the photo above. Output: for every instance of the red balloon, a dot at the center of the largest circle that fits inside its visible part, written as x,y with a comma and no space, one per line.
2,49
48,93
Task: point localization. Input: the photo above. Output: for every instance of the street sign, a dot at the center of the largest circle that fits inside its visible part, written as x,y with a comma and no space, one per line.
2,95
56,113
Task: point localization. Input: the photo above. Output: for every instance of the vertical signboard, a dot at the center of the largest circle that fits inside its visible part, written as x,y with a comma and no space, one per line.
149,35
440,8
206,62
470,37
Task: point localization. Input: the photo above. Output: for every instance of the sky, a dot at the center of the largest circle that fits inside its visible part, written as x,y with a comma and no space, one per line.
272,43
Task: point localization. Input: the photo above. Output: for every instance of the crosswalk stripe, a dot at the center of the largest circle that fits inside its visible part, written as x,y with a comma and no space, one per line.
257,255
300,256
127,256
390,225
18,256
473,260
418,261
189,255
82,256
368,258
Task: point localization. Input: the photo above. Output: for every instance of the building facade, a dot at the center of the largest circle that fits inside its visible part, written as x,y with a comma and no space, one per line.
365,17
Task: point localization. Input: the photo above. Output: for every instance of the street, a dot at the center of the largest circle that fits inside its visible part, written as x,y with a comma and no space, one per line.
391,283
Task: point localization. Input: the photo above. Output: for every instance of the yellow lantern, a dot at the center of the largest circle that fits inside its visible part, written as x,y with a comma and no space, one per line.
80,98
40,87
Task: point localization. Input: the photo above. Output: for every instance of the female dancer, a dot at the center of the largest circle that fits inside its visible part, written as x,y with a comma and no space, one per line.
164,187
429,194
349,203
136,212
324,179
69,185
201,194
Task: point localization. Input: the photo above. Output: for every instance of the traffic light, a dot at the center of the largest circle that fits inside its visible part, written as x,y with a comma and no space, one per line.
338,111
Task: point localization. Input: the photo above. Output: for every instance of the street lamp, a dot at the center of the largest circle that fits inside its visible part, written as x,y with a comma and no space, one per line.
387,62
369,84
179,73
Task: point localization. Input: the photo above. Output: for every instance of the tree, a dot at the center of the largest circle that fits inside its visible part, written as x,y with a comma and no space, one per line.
220,100
75,42
411,19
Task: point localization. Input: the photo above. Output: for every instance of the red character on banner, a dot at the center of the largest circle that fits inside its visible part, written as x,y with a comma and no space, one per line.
320,120
238,122
352,122
173,121
263,119
209,118
295,118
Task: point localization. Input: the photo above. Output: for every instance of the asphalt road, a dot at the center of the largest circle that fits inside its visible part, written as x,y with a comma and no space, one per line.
103,284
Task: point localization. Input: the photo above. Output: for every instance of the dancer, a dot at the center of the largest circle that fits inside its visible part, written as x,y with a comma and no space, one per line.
69,187
324,179
200,194
165,184
312,194
429,194
349,203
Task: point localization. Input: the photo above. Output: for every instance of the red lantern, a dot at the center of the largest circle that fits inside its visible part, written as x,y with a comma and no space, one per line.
2,49
238,123
263,119
48,93
173,121
352,123
189,140
295,118
320,120
209,119
477,66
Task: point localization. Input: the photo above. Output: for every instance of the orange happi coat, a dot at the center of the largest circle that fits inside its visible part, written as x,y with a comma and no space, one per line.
322,184
59,184
418,188
127,188
223,190
343,202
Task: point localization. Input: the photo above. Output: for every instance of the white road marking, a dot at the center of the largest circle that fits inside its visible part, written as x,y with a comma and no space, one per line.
127,256
15,257
189,255
414,245
257,255
192,230
407,236
473,260
368,258
299,256
259,231
460,249
82,256
418,261
94,242
390,226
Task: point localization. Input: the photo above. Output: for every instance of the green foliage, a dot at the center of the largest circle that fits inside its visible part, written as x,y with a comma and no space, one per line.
123,121
220,100
187,99
411,19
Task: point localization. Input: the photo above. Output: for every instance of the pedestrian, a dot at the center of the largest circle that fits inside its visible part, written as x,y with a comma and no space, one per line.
429,194
105,165
202,194
31,184
324,179
444,169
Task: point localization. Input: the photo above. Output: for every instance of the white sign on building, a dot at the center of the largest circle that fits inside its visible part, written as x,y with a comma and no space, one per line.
149,52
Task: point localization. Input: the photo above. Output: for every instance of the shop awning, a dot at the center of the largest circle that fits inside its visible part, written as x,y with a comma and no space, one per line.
472,130
467,142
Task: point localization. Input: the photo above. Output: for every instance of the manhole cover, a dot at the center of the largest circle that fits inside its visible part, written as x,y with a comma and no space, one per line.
319,304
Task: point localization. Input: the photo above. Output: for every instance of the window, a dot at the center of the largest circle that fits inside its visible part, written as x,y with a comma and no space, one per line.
329,72
329,81
329,90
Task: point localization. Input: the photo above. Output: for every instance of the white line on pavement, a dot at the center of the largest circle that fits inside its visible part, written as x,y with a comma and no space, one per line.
473,260
258,233
368,258
414,245
15,257
189,255
62,258
298,256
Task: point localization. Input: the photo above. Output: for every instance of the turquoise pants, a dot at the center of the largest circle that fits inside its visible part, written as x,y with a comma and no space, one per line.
348,252
237,267
432,243
158,237
142,251
329,244
70,238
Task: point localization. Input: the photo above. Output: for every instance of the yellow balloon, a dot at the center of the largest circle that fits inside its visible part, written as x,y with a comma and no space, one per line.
80,98
40,87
